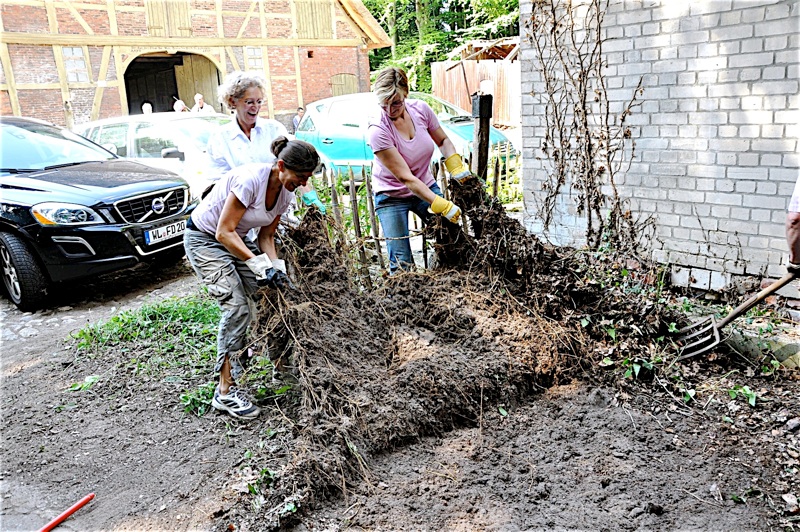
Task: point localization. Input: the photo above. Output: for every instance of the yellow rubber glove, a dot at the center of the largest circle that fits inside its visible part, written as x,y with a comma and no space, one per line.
457,169
448,209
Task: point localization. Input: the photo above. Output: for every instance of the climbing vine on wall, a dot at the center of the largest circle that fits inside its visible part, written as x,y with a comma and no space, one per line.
586,146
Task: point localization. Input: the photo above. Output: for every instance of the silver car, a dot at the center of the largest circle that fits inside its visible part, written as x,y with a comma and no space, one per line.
170,141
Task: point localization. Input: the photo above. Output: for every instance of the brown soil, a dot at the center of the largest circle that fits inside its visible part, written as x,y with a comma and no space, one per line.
485,394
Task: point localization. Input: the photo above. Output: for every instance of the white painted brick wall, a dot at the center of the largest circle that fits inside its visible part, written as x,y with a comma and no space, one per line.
717,131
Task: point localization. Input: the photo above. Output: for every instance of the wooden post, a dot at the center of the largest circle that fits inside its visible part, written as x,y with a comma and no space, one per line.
337,212
362,253
442,179
373,220
496,181
482,113
424,248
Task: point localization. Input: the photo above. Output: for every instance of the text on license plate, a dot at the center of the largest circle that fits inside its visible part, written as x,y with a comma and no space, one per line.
158,234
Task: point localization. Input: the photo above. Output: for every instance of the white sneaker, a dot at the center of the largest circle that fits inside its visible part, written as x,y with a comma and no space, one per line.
236,403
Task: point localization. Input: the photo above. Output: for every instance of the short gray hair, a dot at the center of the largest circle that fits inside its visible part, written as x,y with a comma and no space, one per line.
237,83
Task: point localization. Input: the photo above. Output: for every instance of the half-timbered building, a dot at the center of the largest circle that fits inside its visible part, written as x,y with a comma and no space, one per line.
70,62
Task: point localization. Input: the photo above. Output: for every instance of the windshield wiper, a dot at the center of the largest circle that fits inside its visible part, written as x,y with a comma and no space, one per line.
18,170
65,165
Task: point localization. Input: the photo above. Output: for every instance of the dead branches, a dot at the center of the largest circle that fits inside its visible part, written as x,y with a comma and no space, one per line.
586,144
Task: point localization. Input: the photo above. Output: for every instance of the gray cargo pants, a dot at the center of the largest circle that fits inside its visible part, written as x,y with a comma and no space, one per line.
232,284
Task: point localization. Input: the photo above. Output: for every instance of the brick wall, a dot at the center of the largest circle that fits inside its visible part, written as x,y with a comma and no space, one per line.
45,104
317,70
28,19
716,135
33,64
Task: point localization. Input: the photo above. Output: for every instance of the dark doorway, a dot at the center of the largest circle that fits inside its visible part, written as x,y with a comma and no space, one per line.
152,78
162,78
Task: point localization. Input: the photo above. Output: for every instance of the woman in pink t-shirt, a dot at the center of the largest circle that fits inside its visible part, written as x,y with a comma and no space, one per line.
403,139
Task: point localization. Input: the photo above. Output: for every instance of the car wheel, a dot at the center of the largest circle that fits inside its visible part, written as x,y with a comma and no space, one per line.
23,279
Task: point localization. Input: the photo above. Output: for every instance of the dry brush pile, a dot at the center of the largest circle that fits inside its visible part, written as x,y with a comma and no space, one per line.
501,317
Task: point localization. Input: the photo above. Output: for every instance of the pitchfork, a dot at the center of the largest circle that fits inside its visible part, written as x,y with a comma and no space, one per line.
703,335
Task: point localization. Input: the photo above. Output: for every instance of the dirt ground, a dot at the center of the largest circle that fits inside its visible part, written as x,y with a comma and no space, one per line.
469,399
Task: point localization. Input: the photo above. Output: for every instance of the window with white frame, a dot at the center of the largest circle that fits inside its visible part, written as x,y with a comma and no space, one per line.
254,58
74,64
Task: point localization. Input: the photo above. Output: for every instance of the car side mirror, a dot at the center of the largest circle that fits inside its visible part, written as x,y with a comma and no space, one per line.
110,147
172,153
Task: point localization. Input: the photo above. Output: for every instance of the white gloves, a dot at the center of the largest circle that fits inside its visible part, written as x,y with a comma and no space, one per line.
259,265
279,264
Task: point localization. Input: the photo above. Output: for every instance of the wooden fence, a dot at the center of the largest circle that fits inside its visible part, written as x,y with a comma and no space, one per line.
360,234
456,81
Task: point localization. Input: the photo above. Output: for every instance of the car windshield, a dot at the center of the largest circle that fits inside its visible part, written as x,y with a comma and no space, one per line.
33,146
443,110
351,112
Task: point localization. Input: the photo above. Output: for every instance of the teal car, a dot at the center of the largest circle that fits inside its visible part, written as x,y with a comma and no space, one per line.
337,128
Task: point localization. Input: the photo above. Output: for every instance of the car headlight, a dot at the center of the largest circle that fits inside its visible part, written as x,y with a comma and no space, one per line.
51,213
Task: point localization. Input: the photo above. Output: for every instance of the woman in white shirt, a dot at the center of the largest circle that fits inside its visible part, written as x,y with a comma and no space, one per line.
248,138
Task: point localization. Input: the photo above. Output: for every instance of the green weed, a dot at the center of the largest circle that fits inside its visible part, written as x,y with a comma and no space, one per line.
745,392
87,383
188,316
774,365
176,334
634,366
198,400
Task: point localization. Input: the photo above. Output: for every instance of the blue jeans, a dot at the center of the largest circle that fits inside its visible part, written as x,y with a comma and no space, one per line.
393,214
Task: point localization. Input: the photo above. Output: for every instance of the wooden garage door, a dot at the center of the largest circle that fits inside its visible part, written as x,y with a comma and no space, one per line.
198,74
344,84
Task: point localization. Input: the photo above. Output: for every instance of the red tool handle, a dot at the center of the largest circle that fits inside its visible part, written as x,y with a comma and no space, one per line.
72,509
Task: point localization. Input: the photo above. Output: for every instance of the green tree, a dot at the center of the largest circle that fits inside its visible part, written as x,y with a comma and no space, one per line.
424,31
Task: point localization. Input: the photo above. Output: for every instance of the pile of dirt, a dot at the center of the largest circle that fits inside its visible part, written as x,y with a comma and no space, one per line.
515,386
500,319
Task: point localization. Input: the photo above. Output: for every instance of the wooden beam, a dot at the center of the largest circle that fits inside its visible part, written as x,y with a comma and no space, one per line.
270,101
52,20
234,61
101,83
220,24
123,92
36,86
112,17
246,20
66,100
293,12
5,59
172,43
298,78
262,19
78,17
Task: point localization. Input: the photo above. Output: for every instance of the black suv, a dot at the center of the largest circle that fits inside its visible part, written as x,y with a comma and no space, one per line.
70,209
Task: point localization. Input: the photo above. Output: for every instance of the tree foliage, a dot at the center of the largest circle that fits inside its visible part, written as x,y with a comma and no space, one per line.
427,30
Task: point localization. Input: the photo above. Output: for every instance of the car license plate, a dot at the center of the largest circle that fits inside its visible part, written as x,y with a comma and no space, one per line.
153,236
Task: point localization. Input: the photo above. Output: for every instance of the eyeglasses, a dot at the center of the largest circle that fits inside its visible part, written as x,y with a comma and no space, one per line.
394,106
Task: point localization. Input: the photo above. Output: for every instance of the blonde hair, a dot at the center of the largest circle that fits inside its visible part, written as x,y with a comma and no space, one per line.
237,83
390,81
